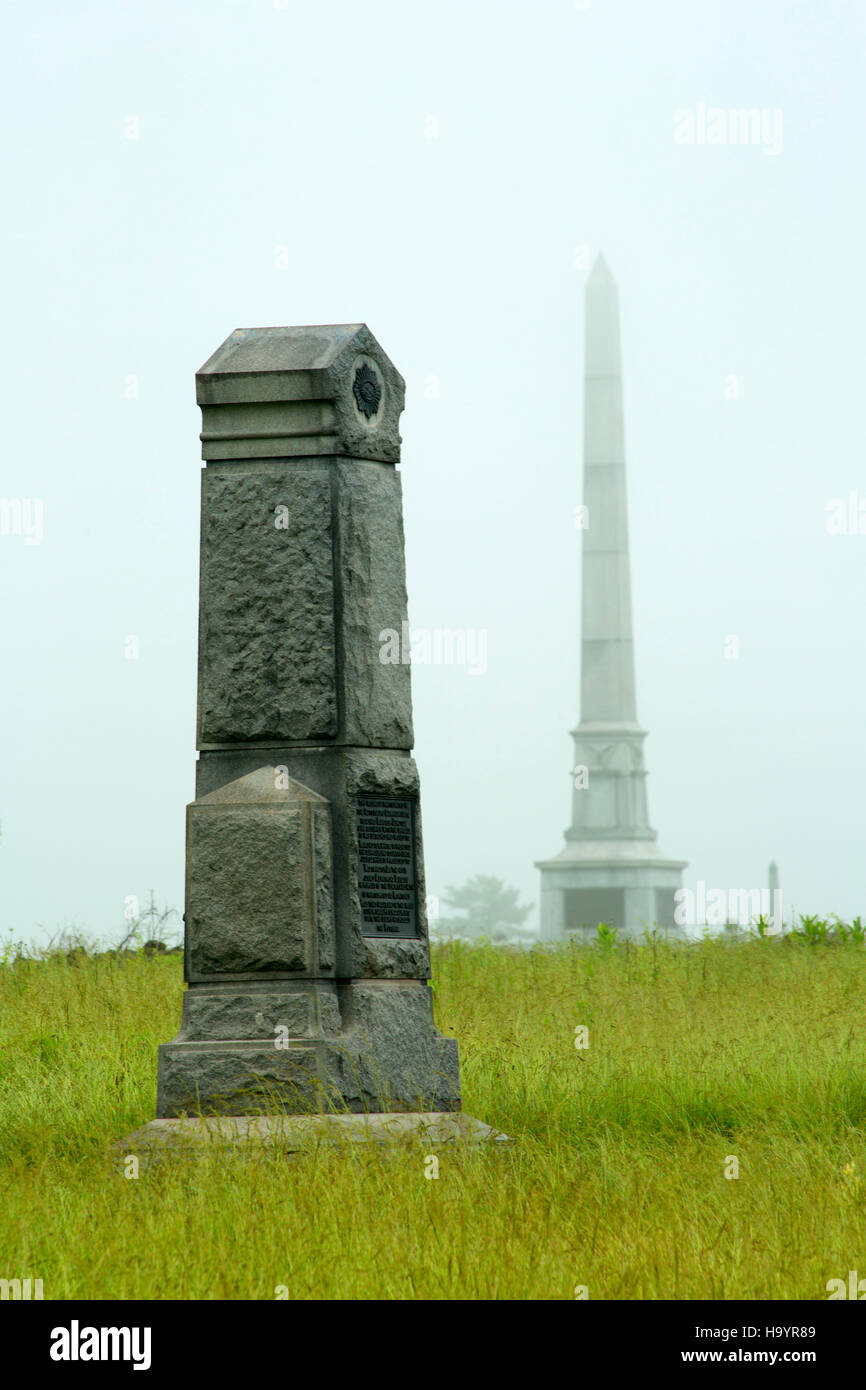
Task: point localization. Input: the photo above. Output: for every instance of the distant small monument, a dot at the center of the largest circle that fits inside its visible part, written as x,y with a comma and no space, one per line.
775,897
773,880
611,869
306,948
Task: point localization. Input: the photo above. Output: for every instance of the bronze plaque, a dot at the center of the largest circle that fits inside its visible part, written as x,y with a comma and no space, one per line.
386,865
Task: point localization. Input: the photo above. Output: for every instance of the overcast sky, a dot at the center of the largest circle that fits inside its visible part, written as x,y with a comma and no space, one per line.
445,173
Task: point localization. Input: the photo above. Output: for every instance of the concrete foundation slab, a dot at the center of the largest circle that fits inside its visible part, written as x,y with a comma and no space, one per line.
294,1134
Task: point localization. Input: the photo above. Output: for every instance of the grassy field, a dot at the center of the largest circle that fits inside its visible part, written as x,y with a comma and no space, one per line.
697,1055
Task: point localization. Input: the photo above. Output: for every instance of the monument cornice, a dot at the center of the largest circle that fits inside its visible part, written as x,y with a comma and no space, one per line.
306,392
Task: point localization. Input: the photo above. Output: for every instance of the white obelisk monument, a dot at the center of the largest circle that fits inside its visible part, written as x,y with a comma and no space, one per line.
611,869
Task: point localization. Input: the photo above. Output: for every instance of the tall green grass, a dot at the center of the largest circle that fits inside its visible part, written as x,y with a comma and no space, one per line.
700,1054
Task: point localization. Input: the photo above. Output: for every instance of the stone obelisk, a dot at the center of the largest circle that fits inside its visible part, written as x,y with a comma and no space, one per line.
306,950
610,869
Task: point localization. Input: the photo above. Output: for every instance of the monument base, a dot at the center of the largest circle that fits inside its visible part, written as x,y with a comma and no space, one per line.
375,1049
627,884
292,1134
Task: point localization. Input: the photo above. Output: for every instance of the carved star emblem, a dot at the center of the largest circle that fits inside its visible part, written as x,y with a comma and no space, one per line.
367,390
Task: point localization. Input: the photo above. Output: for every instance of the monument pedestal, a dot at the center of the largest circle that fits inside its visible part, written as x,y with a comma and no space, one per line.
620,883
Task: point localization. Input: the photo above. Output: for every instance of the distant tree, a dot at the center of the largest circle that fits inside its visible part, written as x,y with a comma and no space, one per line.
148,931
489,904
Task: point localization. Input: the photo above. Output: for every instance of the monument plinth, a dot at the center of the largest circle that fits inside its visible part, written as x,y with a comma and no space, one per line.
306,949
611,869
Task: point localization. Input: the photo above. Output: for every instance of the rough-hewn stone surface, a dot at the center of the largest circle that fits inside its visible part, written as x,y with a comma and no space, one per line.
332,772
323,888
235,1078
248,892
375,773
395,1059
273,620
391,1059
395,959
267,655
229,1015
234,1013
372,581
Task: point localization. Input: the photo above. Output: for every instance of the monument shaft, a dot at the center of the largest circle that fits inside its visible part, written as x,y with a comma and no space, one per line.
607,687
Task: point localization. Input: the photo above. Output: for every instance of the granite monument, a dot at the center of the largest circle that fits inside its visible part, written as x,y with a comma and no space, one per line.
306,950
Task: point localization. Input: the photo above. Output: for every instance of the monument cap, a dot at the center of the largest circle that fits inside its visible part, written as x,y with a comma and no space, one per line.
300,393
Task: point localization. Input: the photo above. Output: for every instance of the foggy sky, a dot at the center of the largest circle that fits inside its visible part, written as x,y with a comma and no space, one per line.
445,173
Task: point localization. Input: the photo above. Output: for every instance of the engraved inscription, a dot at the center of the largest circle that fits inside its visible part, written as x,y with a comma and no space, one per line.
386,866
